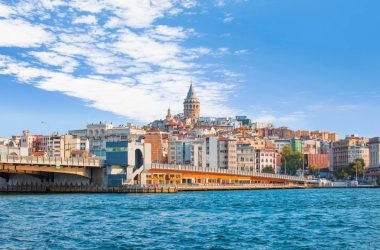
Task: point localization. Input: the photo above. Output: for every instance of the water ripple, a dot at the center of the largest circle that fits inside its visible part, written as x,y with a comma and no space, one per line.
267,219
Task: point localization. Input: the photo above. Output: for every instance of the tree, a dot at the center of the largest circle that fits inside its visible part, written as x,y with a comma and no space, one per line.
356,165
349,172
341,174
291,162
313,169
287,151
268,170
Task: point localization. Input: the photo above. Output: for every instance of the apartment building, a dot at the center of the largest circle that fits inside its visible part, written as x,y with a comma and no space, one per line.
343,152
265,158
246,156
374,152
210,152
227,153
158,147
311,146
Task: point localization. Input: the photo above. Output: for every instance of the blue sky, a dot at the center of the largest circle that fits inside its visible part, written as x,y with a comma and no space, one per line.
298,63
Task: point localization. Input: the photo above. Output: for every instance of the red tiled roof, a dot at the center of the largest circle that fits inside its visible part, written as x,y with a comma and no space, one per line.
77,151
171,124
204,127
225,139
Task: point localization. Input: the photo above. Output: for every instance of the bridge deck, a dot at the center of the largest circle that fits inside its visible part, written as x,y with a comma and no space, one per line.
186,168
51,161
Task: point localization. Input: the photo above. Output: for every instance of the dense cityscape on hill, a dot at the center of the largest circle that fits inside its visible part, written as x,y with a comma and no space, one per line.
189,139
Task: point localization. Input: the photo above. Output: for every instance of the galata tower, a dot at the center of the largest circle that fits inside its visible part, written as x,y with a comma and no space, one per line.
192,105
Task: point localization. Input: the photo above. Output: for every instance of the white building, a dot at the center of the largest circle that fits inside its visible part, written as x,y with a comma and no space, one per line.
210,152
246,156
176,152
311,146
185,151
53,145
265,158
99,133
280,144
27,143
196,149
359,152
259,125
4,141
78,132
202,131
374,152
227,153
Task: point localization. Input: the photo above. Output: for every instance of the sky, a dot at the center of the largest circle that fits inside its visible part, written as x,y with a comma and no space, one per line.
304,64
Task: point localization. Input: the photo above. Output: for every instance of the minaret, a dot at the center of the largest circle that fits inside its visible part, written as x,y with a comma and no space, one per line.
191,105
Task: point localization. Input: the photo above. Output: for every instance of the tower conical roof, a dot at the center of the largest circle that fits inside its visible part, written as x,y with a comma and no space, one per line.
191,93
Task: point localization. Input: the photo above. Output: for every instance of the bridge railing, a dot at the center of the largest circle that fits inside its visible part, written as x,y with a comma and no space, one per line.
227,171
51,161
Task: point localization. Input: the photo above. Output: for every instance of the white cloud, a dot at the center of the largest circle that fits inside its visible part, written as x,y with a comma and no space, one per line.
220,3
279,119
241,52
347,107
125,62
228,18
167,33
21,70
266,118
89,19
51,4
293,117
93,6
189,3
67,64
22,34
145,49
139,13
5,10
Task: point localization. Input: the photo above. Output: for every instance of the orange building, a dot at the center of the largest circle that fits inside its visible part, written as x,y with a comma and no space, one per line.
156,139
322,161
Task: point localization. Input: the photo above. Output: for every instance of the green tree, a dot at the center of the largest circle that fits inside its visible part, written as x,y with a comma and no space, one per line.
268,170
313,169
291,162
341,174
357,165
287,151
349,172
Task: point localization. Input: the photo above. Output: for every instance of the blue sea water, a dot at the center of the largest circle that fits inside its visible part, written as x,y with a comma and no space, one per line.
263,219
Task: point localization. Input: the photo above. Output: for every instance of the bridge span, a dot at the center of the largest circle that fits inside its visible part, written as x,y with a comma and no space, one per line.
35,165
181,174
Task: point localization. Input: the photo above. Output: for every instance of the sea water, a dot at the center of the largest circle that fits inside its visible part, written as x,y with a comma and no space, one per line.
262,219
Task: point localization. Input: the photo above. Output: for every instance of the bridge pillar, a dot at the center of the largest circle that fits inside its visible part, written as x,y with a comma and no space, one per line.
3,181
99,176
